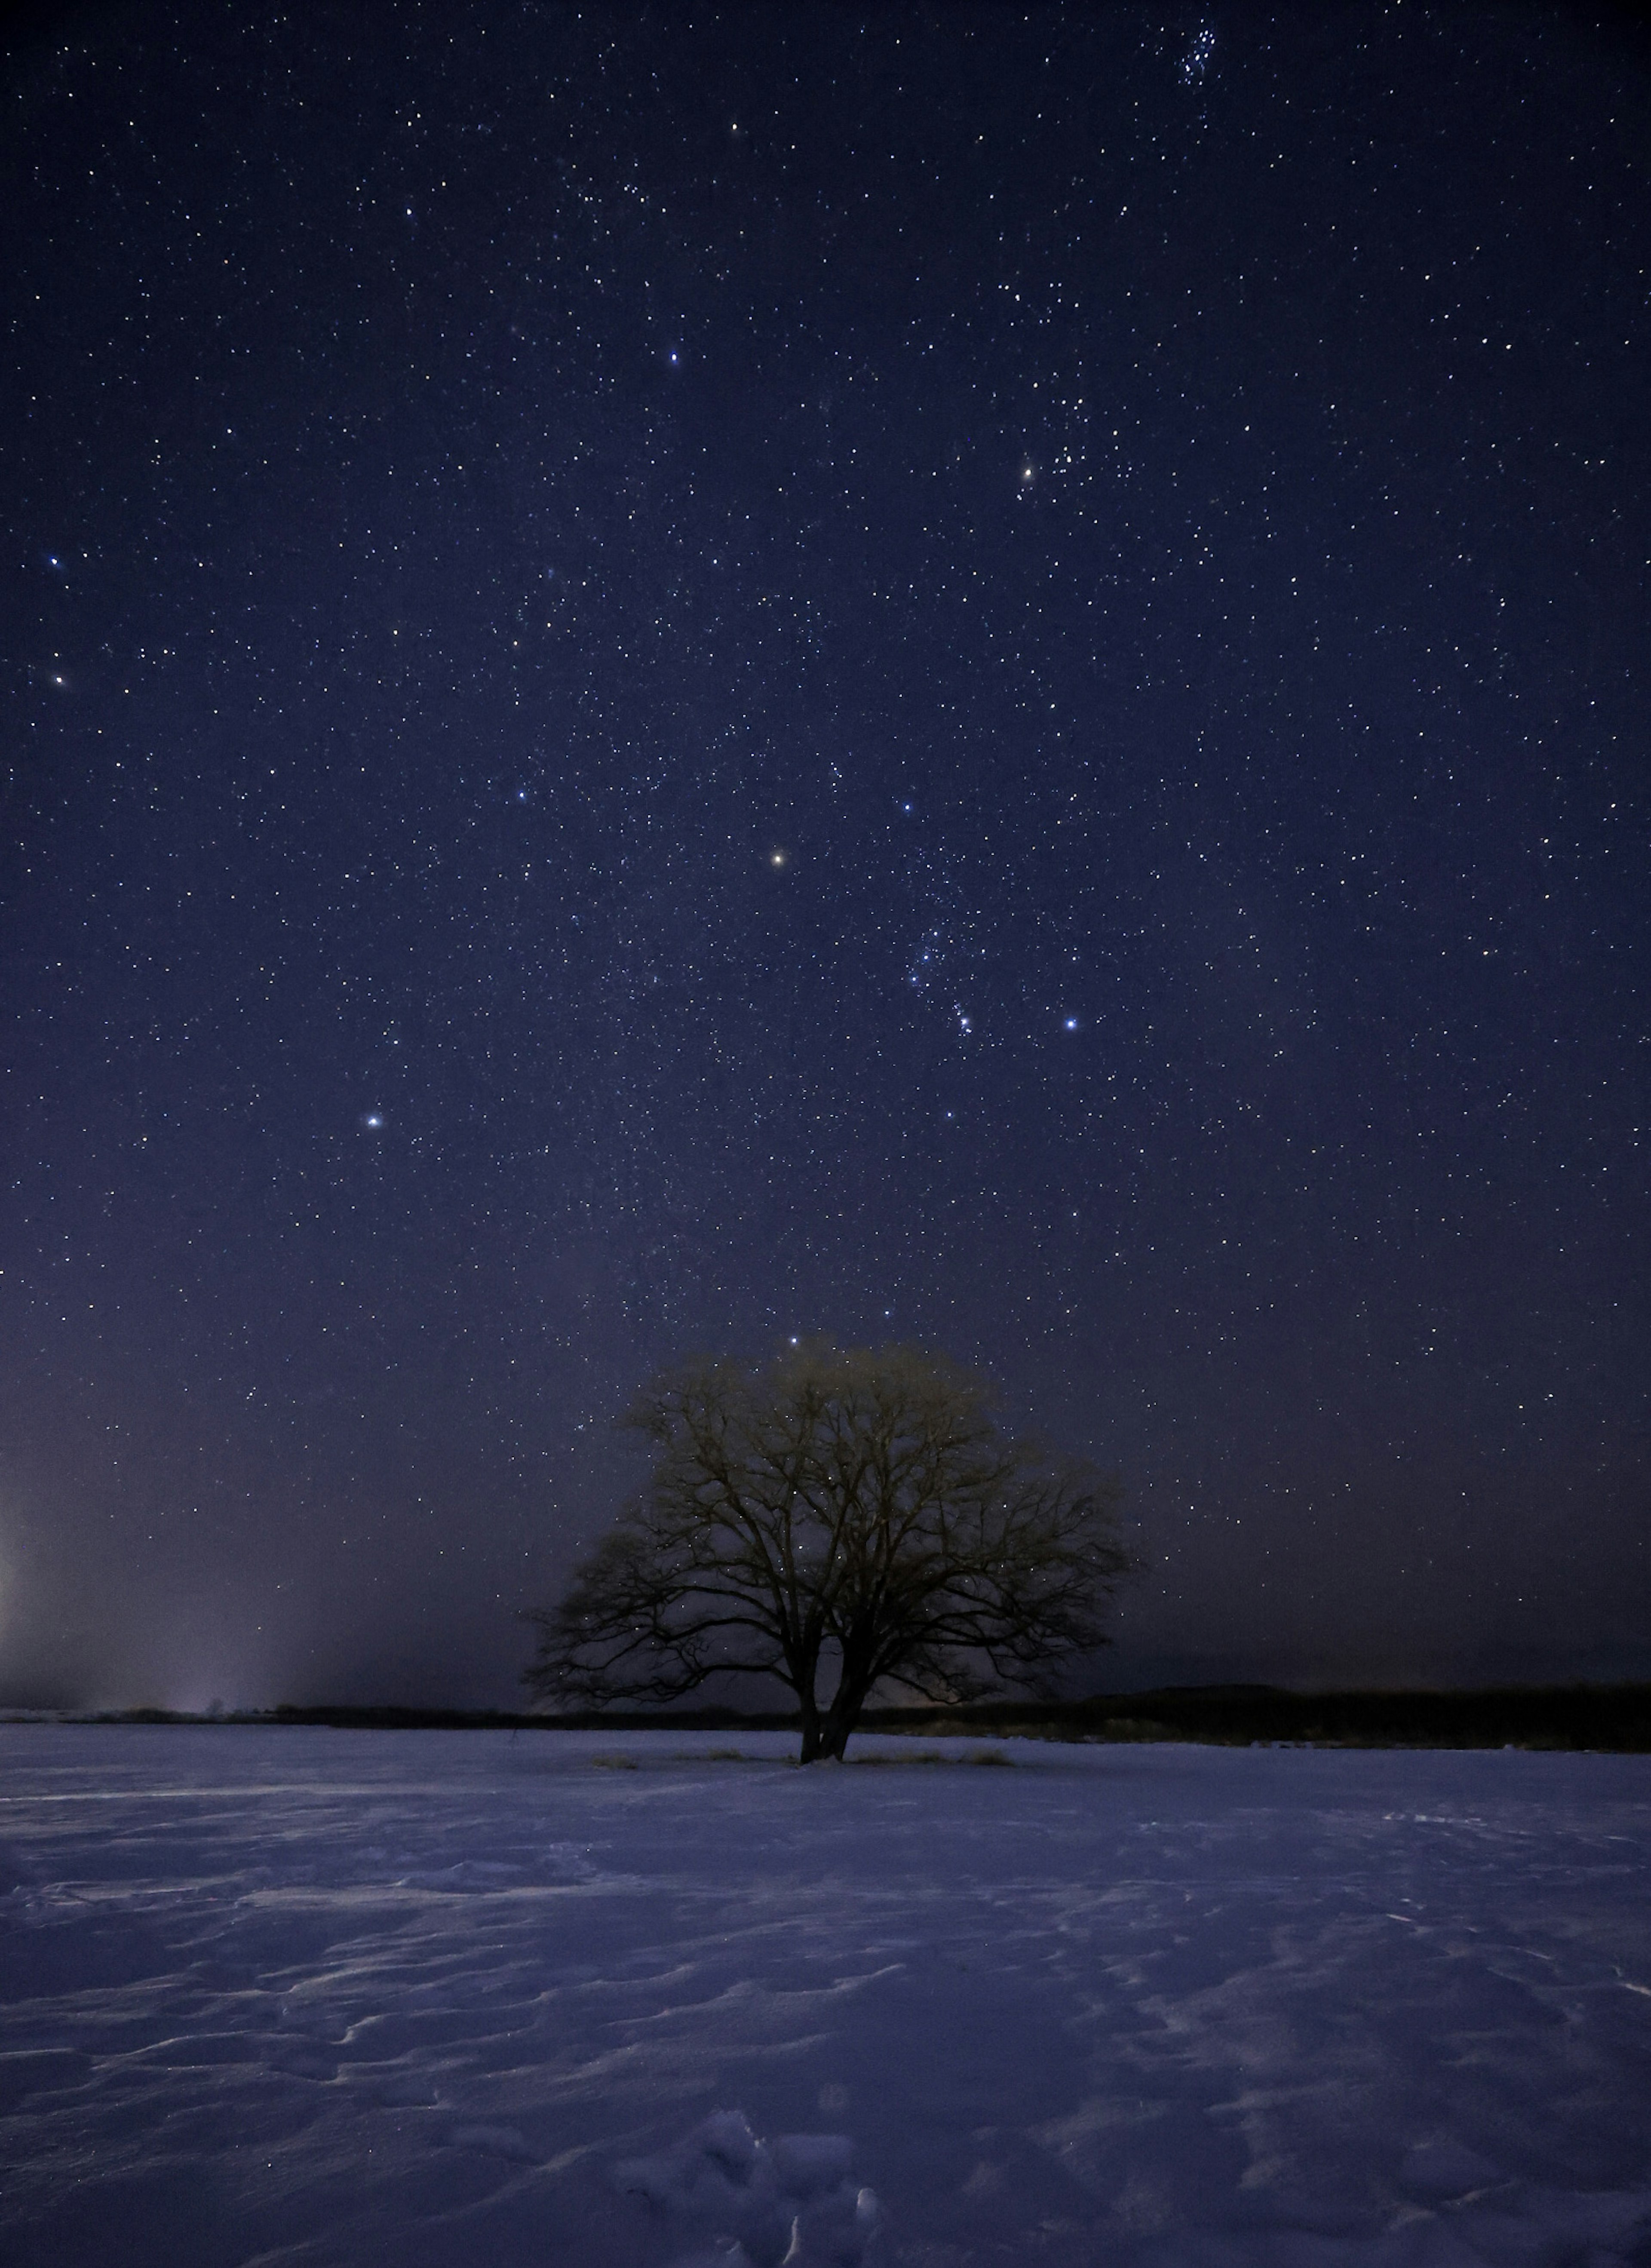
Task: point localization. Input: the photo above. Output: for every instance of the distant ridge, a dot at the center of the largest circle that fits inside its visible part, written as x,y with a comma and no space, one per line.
1615,1718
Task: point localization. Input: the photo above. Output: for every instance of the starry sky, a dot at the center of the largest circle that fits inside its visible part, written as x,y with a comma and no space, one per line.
678,677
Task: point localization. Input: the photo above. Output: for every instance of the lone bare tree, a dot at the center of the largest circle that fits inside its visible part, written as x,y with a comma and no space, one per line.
860,1506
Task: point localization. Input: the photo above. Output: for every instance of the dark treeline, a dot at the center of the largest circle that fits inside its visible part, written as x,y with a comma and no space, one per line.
1598,1716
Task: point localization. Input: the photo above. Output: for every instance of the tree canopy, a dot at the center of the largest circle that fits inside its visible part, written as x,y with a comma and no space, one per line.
861,1514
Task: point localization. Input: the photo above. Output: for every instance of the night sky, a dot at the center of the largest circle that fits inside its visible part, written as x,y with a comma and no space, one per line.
675,678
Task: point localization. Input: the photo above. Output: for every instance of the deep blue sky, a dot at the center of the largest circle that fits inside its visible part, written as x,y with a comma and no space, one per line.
671,678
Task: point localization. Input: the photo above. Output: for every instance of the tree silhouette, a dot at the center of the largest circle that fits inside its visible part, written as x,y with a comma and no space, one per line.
861,1506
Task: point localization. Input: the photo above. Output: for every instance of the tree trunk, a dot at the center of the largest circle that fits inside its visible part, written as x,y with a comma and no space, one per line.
801,1673
843,1716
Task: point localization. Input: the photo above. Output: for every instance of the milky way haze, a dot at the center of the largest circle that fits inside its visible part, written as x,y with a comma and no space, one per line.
679,678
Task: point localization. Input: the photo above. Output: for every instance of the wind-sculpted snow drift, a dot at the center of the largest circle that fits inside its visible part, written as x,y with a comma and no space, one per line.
289,1997
793,2203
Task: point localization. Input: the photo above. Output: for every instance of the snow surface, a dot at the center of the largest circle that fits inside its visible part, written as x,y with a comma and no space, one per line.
434,1999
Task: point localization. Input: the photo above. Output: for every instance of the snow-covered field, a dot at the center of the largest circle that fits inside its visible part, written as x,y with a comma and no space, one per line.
423,1999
